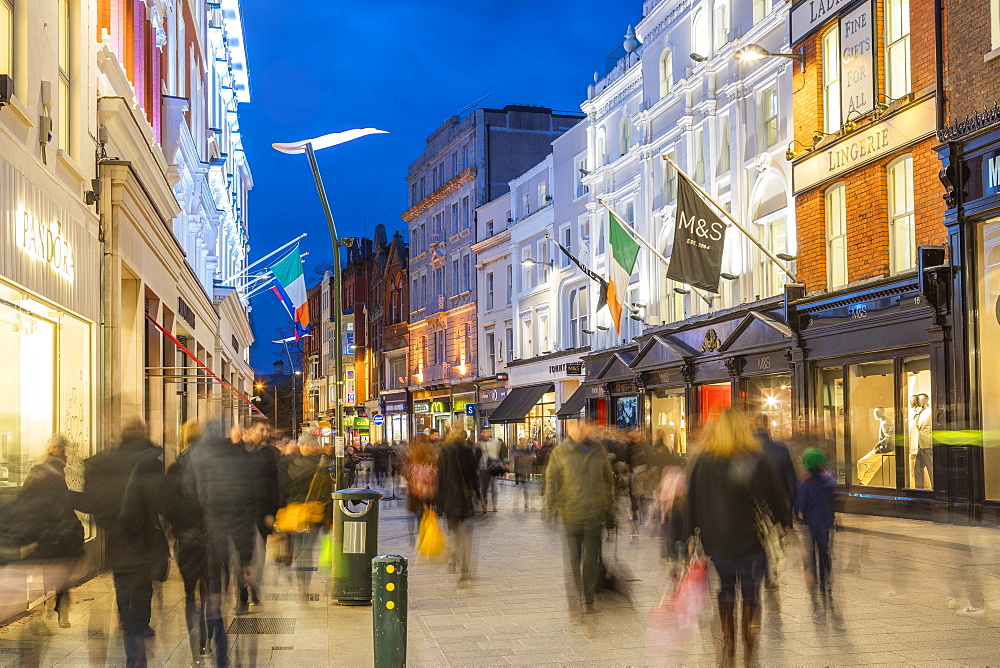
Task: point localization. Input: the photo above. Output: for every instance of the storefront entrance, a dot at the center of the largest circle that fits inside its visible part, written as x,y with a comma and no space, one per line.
715,398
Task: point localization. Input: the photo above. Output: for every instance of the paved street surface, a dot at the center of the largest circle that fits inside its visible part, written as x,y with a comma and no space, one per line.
893,579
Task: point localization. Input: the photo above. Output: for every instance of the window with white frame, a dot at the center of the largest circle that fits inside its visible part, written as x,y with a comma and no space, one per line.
666,72
585,228
542,261
489,291
836,236
579,317
489,229
902,235
701,39
831,80
721,23
454,218
526,267
724,145
626,134
65,56
7,37
601,148
543,332
466,215
466,273
454,163
491,354
508,352
543,193
897,48
629,212
771,231
455,283
566,235
434,178
994,24
769,117
760,10
510,284
525,204
600,236
525,351
669,180
397,373
699,156
581,171
465,156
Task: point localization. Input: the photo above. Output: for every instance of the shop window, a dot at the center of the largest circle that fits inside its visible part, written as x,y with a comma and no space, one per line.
771,396
916,389
539,426
626,412
871,423
831,80
989,365
669,425
897,48
902,235
830,394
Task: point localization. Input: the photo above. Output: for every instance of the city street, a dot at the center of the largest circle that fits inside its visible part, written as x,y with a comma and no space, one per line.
893,578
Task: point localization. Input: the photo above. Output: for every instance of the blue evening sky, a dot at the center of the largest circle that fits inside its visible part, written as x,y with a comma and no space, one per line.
319,66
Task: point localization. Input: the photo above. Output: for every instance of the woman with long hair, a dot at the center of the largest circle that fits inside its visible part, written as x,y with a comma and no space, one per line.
733,496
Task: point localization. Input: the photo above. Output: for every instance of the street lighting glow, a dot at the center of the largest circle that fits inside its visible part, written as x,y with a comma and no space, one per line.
752,52
326,141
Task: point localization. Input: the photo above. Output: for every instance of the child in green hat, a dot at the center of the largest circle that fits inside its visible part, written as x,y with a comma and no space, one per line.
814,507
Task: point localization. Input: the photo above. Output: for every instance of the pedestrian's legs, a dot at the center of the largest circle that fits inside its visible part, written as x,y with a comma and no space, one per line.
484,481
751,572
727,607
590,570
461,535
134,594
492,482
574,581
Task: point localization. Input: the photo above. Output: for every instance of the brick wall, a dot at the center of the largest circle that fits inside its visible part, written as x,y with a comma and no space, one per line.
866,186
971,84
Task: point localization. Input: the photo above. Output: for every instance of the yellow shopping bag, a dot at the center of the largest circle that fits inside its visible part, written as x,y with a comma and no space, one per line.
430,539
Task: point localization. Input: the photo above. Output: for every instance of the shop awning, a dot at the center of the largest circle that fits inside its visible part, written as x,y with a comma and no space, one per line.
518,402
572,407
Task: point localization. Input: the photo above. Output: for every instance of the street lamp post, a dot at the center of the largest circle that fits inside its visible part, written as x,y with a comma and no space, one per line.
308,147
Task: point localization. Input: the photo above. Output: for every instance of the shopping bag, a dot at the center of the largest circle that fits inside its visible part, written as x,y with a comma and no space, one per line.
674,620
325,563
430,539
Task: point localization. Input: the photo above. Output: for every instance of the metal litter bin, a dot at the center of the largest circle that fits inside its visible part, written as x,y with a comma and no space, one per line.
355,543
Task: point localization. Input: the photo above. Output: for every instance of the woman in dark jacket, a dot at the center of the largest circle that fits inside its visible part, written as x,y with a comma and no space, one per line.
733,493
458,483
50,522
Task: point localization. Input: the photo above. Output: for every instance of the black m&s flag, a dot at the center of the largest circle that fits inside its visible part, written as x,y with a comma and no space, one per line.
699,236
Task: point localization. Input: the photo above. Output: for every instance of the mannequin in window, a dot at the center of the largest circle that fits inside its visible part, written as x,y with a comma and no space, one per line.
921,452
870,464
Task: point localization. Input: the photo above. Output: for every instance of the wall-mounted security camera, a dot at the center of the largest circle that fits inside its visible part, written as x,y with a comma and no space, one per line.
6,89
93,195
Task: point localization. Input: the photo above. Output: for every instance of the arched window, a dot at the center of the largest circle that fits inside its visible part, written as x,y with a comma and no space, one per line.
666,72
700,37
626,135
770,212
831,80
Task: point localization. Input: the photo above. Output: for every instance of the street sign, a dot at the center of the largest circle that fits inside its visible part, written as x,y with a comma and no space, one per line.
470,409
326,431
338,444
378,420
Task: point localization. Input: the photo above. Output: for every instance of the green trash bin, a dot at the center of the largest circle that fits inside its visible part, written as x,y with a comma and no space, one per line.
355,543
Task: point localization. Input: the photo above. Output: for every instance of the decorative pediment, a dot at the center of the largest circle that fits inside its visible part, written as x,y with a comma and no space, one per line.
755,330
617,366
661,350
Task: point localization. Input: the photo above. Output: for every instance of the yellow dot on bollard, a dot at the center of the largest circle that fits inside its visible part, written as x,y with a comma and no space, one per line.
390,569
390,586
390,605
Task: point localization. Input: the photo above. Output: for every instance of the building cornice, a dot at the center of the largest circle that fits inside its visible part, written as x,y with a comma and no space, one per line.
451,186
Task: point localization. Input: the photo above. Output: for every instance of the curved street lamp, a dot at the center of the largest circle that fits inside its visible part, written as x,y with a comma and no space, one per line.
309,146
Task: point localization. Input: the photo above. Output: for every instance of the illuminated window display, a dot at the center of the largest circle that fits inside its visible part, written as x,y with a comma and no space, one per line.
46,385
989,365
831,416
668,422
871,420
772,396
539,425
919,437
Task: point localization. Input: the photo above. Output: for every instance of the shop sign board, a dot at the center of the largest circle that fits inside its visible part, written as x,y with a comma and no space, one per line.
665,377
594,391
440,406
44,240
623,387
765,364
421,407
470,409
866,309
496,394
808,15
859,148
857,62
574,368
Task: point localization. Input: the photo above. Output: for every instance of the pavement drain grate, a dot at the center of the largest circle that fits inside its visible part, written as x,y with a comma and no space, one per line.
262,626
280,647
291,597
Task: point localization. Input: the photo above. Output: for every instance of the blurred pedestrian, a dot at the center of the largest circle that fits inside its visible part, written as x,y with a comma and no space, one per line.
778,456
261,471
458,485
524,463
51,524
733,496
579,491
420,472
179,506
489,460
229,505
814,506
120,487
308,480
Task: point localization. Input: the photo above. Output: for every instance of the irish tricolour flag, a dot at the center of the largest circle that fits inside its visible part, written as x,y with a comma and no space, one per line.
290,285
624,251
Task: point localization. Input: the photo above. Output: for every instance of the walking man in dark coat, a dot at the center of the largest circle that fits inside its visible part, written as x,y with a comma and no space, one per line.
458,483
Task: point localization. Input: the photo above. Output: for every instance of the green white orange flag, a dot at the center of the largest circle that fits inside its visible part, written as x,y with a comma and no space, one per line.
624,250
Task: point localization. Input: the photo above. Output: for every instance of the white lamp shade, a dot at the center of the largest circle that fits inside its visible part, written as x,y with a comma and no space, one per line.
326,141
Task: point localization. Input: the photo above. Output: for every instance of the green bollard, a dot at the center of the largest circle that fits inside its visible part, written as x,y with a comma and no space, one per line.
389,592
